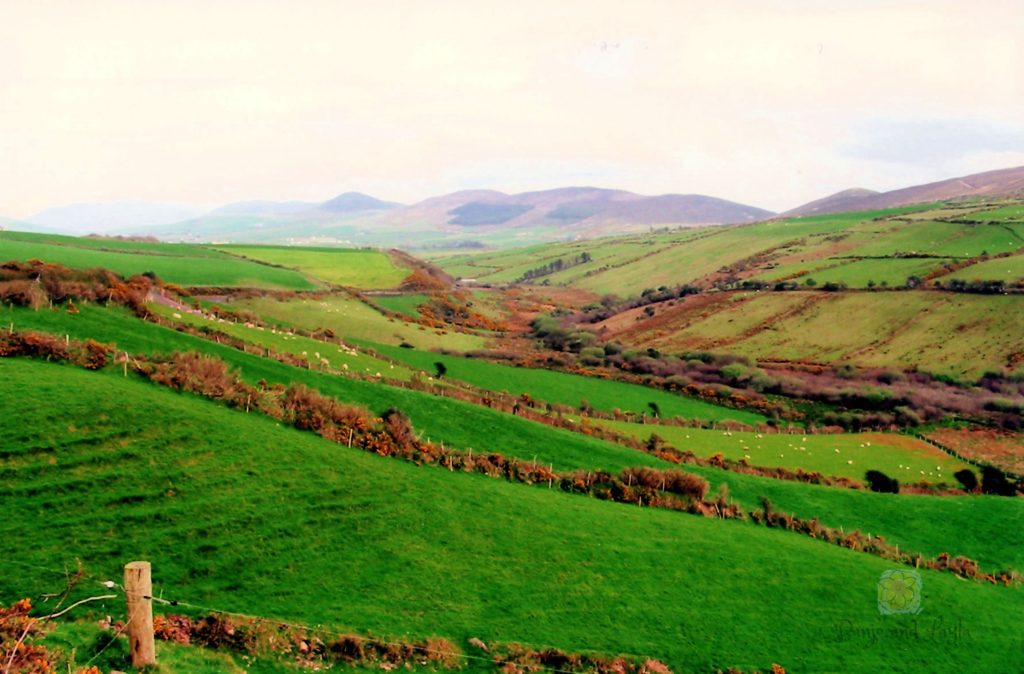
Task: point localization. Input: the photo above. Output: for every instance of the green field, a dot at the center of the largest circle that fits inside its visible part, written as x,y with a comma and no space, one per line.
350,318
627,265
852,248
239,512
1009,269
899,456
399,549
1011,213
566,389
176,263
860,273
956,334
440,419
360,268
402,304
313,351
974,527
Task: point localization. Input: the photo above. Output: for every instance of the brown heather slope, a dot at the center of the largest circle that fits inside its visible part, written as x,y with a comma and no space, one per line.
1001,183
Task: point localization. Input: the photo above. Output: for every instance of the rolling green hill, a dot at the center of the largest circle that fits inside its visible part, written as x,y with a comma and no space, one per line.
973,527
363,268
175,263
350,318
222,504
855,249
242,513
951,333
566,389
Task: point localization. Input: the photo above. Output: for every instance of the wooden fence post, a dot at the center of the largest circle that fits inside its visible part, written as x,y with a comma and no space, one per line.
138,590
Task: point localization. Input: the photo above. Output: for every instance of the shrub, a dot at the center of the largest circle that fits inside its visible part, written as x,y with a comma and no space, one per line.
398,426
17,631
967,479
882,483
993,481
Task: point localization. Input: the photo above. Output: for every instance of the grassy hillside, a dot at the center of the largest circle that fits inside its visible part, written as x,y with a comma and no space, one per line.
315,352
350,318
958,334
440,419
627,265
362,268
975,527
403,304
567,389
874,249
846,454
222,504
1009,269
176,263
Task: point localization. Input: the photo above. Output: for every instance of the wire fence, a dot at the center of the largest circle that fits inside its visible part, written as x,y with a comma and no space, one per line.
158,598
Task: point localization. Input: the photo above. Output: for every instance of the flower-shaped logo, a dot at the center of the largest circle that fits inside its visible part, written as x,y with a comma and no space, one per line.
899,591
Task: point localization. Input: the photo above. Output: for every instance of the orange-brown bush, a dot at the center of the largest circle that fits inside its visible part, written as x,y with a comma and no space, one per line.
671,480
309,410
17,631
34,283
201,374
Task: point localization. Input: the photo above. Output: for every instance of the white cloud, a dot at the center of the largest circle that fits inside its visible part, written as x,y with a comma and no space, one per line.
772,103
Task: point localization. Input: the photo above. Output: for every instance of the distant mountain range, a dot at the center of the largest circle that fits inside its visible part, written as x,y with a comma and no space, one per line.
467,218
1005,182
471,218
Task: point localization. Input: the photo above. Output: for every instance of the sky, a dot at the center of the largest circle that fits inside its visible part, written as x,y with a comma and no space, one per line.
765,102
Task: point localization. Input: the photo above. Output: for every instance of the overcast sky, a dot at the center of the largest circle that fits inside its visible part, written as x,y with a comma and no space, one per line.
767,103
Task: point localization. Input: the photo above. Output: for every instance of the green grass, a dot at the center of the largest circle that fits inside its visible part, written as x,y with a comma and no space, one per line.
971,527
358,268
402,304
626,265
181,264
453,422
944,238
1009,269
238,513
1012,213
899,456
975,526
349,359
956,334
350,318
566,389
861,273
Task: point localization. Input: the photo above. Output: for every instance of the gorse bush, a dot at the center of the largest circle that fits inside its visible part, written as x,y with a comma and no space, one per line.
18,631
671,480
35,283
89,354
